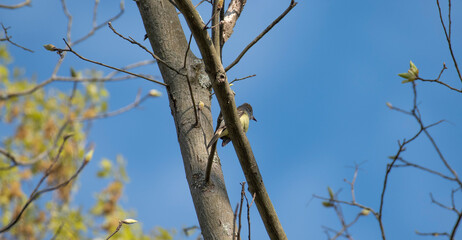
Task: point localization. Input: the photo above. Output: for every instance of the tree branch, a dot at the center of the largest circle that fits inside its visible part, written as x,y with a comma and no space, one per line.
267,29
19,5
225,98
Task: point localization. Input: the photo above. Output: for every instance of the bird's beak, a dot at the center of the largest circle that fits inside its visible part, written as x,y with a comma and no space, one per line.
253,118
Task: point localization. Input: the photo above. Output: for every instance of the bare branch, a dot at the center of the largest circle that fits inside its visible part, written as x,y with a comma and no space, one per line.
448,36
233,12
433,234
19,5
437,80
409,164
117,229
60,51
442,205
8,38
276,21
137,102
97,27
132,41
456,226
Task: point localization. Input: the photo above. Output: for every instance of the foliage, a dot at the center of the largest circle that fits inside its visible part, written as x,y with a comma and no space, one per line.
36,124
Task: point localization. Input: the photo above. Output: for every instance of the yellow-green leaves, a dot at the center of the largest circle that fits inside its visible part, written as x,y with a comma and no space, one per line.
106,167
411,74
331,193
331,198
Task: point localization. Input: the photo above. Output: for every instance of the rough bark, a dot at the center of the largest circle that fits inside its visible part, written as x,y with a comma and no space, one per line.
168,41
225,98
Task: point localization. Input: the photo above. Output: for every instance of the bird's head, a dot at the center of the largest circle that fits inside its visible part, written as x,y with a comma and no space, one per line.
248,109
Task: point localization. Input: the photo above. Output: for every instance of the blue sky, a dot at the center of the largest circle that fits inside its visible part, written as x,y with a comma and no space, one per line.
324,75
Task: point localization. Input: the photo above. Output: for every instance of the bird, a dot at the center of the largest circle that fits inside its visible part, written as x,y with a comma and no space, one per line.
245,113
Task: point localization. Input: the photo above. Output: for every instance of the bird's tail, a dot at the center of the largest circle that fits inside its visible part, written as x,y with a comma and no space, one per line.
215,138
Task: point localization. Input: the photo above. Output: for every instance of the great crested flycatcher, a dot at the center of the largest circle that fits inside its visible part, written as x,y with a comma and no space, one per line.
245,114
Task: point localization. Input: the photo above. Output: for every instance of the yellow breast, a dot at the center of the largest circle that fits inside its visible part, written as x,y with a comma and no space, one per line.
245,122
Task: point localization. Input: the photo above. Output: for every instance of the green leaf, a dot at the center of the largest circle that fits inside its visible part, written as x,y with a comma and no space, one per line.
331,193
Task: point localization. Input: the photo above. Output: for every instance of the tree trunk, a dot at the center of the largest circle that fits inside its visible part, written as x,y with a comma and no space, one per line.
168,41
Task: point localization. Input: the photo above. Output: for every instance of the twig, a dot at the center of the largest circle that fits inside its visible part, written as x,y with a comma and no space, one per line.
109,77
132,41
8,38
97,27
276,21
58,231
248,210
138,101
240,79
19,5
437,80
433,234
448,36
36,193
234,222
346,227
409,164
456,225
237,80
104,65
117,229
352,183
69,20
240,210
442,205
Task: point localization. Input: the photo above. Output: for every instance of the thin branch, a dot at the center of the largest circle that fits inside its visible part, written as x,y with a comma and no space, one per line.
8,38
104,65
437,80
26,92
36,193
69,20
240,79
234,222
109,77
132,41
240,210
248,210
276,21
448,37
117,229
442,205
97,27
409,164
456,226
237,80
355,204
352,183
346,227
58,231
19,5
138,101
433,234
